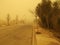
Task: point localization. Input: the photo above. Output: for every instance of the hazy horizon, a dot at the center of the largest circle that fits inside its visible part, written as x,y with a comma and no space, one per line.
18,7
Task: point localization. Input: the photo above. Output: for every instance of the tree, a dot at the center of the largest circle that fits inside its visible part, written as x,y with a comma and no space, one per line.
16,19
8,19
49,13
43,10
56,8
46,11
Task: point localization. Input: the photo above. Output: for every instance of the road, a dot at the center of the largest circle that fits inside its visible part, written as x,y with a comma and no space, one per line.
16,35
25,35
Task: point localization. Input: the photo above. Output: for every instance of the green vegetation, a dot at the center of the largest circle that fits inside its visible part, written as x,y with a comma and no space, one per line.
49,13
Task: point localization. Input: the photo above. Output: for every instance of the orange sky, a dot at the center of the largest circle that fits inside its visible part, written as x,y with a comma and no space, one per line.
17,7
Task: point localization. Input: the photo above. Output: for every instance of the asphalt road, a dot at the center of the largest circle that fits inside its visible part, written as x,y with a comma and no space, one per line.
24,35
16,35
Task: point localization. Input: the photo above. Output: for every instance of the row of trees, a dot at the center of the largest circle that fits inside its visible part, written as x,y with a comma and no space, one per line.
10,21
49,14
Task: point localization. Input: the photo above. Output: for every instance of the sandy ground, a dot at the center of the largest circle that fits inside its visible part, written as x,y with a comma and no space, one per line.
44,40
45,37
16,35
